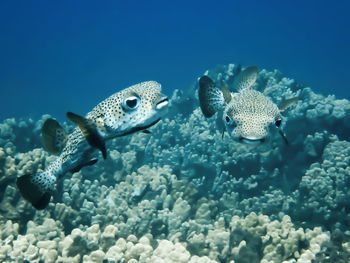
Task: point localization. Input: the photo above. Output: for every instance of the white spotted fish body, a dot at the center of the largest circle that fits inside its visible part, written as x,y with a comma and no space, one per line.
130,110
247,114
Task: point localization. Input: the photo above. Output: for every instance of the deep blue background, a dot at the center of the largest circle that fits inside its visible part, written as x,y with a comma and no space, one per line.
57,56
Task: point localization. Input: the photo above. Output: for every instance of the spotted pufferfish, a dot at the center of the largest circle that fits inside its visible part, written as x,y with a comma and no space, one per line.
247,114
133,109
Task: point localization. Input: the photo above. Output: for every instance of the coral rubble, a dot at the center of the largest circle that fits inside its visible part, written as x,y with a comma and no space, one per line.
185,194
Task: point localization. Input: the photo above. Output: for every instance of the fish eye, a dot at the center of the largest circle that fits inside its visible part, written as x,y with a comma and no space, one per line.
278,123
230,122
130,103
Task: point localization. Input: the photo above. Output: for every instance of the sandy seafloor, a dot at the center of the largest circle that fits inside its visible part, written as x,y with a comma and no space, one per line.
184,194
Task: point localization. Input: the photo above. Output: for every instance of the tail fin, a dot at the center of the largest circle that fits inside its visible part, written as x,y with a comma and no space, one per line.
211,98
36,189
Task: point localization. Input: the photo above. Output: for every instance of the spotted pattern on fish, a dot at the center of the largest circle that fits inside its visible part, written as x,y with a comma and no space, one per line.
61,137
110,112
247,113
135,108
45,180
252,113
100,124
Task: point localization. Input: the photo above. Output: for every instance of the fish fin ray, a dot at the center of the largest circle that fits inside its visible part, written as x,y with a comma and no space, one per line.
246,78
53,136
284,105
211,98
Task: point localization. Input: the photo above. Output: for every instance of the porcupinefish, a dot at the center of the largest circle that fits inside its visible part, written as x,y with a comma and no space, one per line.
133,109
247,113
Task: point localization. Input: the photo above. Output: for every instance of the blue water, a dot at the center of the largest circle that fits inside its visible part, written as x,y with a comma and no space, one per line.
69,55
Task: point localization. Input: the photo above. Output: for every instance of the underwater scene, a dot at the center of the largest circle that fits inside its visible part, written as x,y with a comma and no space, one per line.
239,163
183,192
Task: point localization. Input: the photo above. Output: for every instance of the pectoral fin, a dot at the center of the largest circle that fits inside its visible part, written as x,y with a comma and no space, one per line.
283,137
287,103
53,136
89,130
146,131
211,98
220,124
78,168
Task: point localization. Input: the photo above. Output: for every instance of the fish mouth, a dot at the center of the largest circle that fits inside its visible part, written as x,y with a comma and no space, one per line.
252,141
163,102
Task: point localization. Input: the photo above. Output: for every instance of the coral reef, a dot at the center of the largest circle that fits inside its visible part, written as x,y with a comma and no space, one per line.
250,239
186,194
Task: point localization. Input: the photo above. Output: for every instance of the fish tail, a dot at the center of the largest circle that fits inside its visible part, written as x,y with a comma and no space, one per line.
211,98
37,188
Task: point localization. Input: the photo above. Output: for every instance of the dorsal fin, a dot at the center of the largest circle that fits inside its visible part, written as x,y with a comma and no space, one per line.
88,128
211,98
287,103
246,78
53,136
